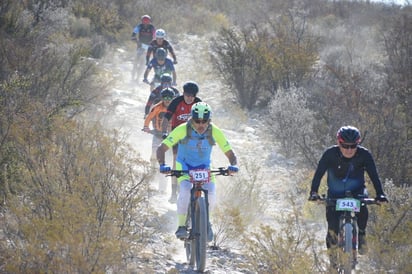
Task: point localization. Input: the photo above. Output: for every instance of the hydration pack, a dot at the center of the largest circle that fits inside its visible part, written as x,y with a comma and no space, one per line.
208,134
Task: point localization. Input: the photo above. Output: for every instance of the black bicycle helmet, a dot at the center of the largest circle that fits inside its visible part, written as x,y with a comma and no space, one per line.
191,88
161,54
167,92
166,77
348,134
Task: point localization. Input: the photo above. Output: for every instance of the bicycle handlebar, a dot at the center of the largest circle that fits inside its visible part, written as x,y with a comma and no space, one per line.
327,200
153,132
219,171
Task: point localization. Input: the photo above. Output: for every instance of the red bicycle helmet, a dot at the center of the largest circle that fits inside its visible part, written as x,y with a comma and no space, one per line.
146,19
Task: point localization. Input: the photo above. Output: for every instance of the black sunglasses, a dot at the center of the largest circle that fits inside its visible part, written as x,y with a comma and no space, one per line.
346,146
199,121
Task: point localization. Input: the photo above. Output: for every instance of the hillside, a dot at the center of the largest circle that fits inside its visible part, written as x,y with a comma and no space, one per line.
77,192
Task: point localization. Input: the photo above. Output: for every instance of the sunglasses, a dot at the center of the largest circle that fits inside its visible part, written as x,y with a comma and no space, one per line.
167,98
200,121
346,146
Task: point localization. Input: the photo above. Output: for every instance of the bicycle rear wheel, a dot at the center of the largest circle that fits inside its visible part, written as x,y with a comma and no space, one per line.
199,242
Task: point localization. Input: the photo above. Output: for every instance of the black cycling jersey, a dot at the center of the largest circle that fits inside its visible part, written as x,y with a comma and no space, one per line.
346,173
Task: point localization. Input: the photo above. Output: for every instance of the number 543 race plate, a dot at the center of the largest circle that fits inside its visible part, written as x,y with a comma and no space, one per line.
348,204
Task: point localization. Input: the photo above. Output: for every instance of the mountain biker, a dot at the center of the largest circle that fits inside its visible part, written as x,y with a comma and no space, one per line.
160,64
160,42
145,30
346,164
195,148
179,112
155,95
156,117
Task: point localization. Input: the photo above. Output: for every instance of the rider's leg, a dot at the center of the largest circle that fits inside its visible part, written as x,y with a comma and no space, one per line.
182,206
183,201
332,217
362,222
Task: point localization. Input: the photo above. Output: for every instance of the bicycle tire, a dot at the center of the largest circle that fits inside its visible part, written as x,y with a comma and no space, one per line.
200,229
347,248
189,243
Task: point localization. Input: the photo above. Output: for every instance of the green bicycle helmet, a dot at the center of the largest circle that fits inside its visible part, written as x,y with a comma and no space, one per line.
201,110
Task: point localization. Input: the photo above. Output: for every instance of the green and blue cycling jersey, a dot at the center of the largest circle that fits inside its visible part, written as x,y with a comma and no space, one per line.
195,151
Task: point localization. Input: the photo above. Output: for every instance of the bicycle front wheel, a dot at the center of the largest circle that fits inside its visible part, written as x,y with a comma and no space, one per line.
200,231
347,248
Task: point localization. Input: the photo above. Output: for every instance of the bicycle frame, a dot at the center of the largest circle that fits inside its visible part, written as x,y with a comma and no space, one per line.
348,228
197,219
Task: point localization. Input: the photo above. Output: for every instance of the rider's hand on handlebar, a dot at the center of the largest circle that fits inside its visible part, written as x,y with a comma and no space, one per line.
164,168
146,129
314,196
232,169
381,198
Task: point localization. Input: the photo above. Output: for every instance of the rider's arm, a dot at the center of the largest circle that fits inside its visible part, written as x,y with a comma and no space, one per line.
160,153
373,173
152,97
135,31
172,52
230,154
148,54
223,144
172,139
146,72
149,118
320,171
153,32
170,111
174,76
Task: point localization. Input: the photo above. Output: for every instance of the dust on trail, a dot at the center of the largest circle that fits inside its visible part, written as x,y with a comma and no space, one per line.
126,110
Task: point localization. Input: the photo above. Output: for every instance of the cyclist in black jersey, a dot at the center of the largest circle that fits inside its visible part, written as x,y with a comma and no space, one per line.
345,164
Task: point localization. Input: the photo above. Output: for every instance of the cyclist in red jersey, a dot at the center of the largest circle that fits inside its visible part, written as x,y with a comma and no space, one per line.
179,112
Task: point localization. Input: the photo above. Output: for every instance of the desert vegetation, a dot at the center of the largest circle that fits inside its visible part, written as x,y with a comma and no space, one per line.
74,195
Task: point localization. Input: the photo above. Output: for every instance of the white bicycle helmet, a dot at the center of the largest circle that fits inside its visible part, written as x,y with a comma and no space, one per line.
160,33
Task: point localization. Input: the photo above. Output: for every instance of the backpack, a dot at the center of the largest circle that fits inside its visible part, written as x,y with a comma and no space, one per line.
188,136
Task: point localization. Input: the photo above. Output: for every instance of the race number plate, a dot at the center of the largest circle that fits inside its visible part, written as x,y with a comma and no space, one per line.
348,204
199,175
